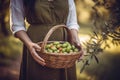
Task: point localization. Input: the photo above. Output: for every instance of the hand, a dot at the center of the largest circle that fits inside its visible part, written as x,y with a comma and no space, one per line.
33,47
75,38
76,41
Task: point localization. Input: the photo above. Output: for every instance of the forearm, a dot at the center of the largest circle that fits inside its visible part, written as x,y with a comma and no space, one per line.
33,47
74,34
75,38
22,35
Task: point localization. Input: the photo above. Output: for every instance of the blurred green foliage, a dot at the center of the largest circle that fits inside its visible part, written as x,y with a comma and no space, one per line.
10,47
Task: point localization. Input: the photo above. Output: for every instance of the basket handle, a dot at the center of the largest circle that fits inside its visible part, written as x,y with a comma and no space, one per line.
69,35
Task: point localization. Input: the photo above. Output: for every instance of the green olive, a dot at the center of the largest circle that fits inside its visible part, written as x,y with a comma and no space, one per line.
63,50
58,45
76,50
73,47
58,51
47,46
56,42
49,50
71,50
64,45
67,43
53,48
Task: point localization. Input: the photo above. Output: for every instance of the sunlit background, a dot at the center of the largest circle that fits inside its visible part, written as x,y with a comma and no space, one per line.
108,67
109,60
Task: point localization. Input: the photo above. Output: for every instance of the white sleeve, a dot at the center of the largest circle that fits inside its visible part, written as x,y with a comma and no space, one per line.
72,18
16,16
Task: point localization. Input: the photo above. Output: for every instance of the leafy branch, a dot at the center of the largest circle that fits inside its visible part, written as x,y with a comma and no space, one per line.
104,30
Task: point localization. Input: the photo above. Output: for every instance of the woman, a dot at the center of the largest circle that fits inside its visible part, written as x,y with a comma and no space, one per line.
42,15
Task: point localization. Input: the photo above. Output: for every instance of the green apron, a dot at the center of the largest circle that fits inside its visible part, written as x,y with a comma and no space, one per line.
48,13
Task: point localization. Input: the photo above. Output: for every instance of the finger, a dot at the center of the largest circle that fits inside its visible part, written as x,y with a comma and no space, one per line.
37,47
41,62
38,58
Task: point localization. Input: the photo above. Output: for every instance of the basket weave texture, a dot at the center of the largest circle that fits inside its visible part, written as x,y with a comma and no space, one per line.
56,60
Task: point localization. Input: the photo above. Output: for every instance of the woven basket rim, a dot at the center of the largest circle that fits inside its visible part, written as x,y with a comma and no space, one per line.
64,61
63,54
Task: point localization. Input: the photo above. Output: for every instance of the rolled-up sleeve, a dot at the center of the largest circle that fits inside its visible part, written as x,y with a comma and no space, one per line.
16,16
72,17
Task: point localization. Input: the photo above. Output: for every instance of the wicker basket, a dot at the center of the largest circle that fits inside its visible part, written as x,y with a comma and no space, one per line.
55,60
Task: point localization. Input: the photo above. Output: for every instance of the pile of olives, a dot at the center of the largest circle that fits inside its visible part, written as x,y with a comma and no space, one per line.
57,47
